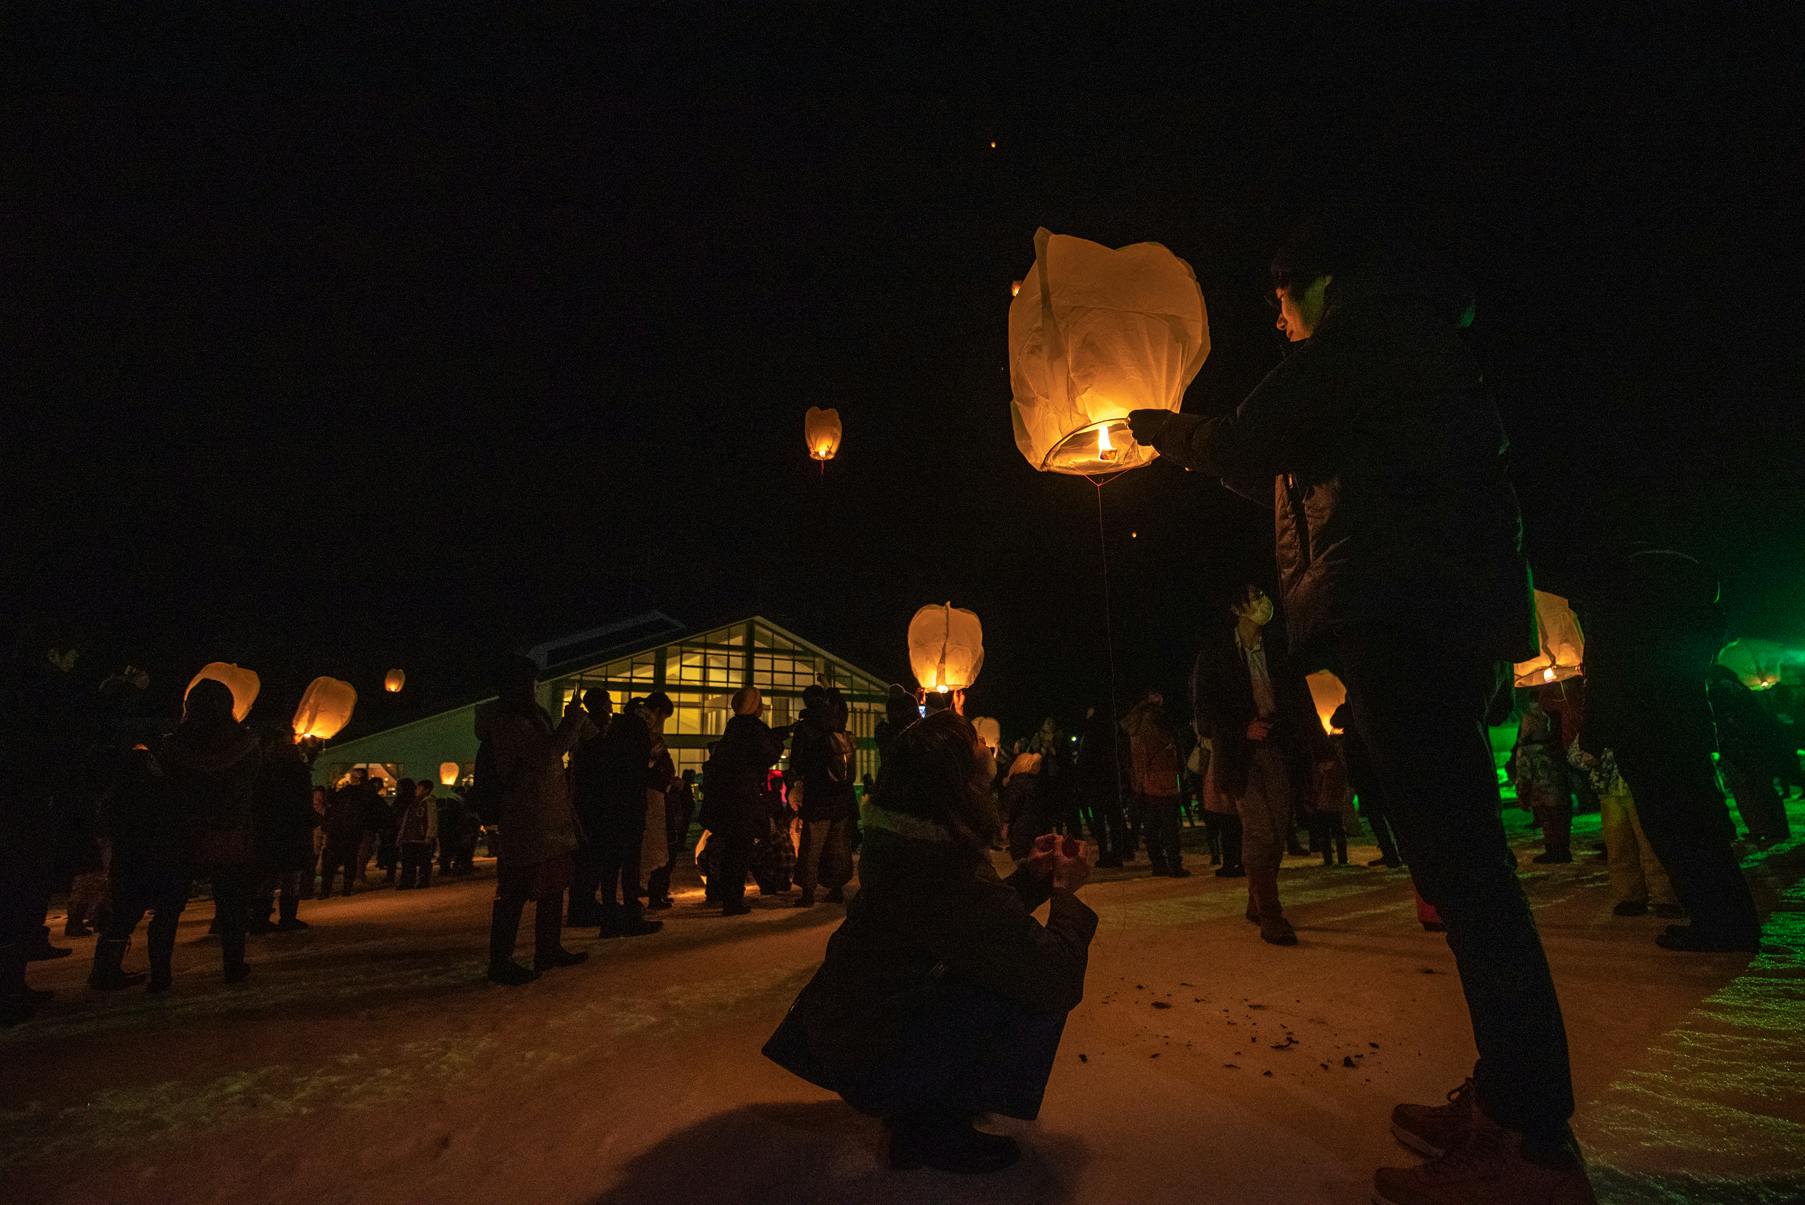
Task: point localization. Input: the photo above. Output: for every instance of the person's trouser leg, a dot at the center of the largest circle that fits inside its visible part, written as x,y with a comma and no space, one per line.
1265,810
1622,859
504,924
1660,887
1684,817
232,902
808,857
290,886
1372,809
1421,711
735,860
1233,854
1762,811
168,897
1165,817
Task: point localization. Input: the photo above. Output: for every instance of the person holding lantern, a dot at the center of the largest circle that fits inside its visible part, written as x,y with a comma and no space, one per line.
941,996
1399,553
1255,707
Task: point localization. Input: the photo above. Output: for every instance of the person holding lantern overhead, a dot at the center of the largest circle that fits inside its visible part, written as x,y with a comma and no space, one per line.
1401,568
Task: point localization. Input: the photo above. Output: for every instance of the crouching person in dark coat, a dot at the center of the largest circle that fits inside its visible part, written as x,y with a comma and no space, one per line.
941,996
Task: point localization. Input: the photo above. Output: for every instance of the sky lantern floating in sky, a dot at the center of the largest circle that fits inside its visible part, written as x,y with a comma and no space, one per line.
1095,332
946,647
1760,664
448,773
243,683
821,430
1563,646
394,680
325,709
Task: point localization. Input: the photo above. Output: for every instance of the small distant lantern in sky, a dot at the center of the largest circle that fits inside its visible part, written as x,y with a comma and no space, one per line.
1563,646
946,647
1758,664
326,707
394,680
1095,332
821,430
243,683
448,773
1326,693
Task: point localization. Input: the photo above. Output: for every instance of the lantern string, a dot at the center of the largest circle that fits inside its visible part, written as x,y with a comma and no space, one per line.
1109,644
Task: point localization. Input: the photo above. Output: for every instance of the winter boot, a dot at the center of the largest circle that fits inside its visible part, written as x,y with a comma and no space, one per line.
504,926
108,975
949,1144
76,927
548,952
1491,1166
291,920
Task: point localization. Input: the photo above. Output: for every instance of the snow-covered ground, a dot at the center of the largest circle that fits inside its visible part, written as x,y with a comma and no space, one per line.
366,1060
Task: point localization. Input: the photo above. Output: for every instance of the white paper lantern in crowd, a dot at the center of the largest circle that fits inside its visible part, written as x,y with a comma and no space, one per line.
1563,646
1760,664
1327,692
1095,332
449,772
243,683
821,428
989,731
946,647
326,707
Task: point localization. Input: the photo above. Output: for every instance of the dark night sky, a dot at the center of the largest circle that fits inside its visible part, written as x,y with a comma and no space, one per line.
329,364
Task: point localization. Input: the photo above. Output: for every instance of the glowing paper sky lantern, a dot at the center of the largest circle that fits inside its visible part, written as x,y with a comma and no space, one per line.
448,773
243,683
946,647
1563,645
1327,693
821,429
1761,664
325,709
394,680
1093,334
989,731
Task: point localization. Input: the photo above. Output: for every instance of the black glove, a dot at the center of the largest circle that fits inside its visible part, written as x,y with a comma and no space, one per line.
1148,425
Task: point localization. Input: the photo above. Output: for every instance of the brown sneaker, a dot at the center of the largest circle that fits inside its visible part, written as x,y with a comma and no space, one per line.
1434,1130
1488,1168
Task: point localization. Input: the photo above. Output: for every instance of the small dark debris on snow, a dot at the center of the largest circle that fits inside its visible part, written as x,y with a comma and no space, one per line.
1346,1061
1140,987
1267,1074
1428,970
1084,1058
1374,1045
1154,1055
1256,1006
1232,1066
1288,1043
1324,1066
1161,1004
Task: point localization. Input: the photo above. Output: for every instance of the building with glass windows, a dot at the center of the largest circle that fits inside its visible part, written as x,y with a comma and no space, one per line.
698,669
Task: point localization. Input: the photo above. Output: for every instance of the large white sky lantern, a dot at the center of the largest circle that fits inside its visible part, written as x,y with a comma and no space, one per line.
1761,664
989,731
1563,646
243,683
1326,693
946,647
325,709
1095,332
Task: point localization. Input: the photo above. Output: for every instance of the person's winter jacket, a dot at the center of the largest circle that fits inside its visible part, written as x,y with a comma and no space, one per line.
1222,705
344,813
216,768
146,819
537,821
818,758
418,821
615,781
739,796
285,818
1095,772
1153,758
929,907
1385,460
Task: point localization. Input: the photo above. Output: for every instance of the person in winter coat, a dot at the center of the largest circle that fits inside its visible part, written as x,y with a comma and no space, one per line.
1399,549
588,778
941,996
416,835
1653,626
627,764
654,840
1541,780
214,765
820,762
1154,765
1025,810
536,816
739,798
1099,788
344,832
284,824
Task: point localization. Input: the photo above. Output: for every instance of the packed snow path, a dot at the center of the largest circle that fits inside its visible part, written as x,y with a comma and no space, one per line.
366,1059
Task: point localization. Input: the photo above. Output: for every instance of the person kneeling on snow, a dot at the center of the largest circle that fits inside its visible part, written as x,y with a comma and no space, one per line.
941,996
